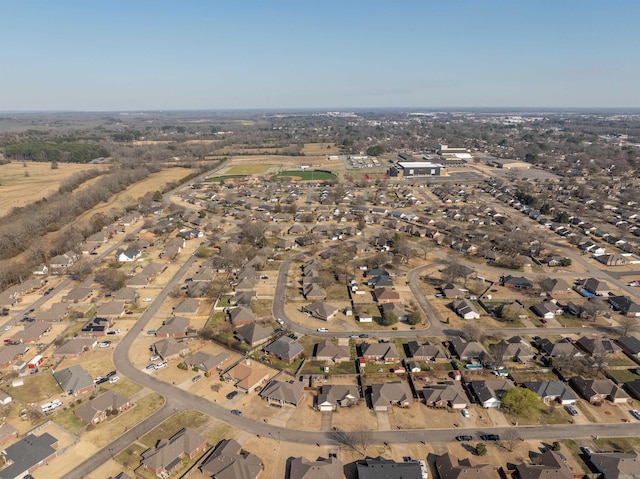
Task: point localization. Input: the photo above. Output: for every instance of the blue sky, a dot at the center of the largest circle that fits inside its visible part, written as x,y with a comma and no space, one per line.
153,55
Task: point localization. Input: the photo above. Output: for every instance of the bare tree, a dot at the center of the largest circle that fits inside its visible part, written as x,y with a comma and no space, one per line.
510,437
628,324
497,352
357,441
472,332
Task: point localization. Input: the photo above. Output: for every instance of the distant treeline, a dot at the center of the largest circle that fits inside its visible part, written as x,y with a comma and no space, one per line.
42,151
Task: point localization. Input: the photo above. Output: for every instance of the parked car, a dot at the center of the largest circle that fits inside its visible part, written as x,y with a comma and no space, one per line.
587,450
571,410
98,380
104,344
151,332
465,412
464,438
196,378
114,379
635,413
490,437
280,321
232,394
161,365
364,335
154,358
111,373
146,300
323,330
236,412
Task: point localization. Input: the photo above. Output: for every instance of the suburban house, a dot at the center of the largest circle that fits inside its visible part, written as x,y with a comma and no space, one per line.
596,346
126,295
453,291
246,377
288,393
558,286
63,261
448,394
630,345
385,295
74,380
517,349
465,309
169,348
550,391
187,307
110,310
549,464
330,468
467,351
381,468
241,315
450,467
313,292
625,305
490,391
174,327
32,333
9,353
168,453
426,352
516,282
546,309
129,255
596,287
207,363
332,396
74,347
28,454
327,351
597,390
56,313
285,349
380,352
616,465
396,308
7,433
96,410
229,461
78,294
96,327
321,310
254,334
385,396
563,347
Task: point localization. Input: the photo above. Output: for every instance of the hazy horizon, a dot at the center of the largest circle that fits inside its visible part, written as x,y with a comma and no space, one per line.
286,55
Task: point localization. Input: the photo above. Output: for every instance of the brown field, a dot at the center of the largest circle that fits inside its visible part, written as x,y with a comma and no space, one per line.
280,163
16,189
318,149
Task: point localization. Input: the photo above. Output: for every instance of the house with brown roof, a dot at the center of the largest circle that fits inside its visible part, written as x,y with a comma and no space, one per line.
32,333
111,310
9,354
597,287
467,351
446,394
450,467
187,307
617,465
453,291
96,410
207,363
321,310
74,380
77,295
288,393
126,295
57,313
285,349
168,453
490,392
313,292
386,294
380,352
597,390
247,376
327,351
426,352
302,468
229,461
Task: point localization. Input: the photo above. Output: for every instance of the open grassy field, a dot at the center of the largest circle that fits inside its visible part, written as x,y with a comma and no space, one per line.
168,428
318,149
307,174
16,189
256,169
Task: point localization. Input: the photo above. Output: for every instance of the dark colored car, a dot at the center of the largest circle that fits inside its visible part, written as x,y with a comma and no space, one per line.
364,335
111,373
101,380
490,437
232,394
236,412
464,438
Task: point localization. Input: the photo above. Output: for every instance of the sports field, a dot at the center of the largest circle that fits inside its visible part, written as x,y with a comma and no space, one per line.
307,175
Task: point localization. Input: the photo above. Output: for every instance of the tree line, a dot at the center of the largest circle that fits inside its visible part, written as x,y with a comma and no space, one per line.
46,151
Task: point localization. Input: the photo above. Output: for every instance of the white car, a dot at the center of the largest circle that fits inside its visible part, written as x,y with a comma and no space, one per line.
114,379
323,330
635,413
146,300
154,358
8,327
280,321
104,344
465,412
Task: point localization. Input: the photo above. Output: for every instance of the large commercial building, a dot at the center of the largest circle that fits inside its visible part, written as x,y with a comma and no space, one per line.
415,169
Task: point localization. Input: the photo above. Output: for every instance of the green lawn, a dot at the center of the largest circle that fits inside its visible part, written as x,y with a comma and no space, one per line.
130,457
623,376
68,420
307,174
626,444
222,178
243,170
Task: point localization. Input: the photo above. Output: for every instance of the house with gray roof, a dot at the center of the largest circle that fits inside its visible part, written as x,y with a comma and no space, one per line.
380,352
332,396
187,307
380,468
285,349
207,363
169,348
599,345
96,410
596,287
327,351
465,309
74,347
28,454
74,380
597,390
174,327
558,349
550,391
126,295
254,334
111,310
548,465
490,391
450,467
467,351
302,468
426,352
288,393
617,465
321,310
385,396
630,345
446,394
241,315
229,461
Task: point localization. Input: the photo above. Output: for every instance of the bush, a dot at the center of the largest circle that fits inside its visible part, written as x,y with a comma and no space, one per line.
481,449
